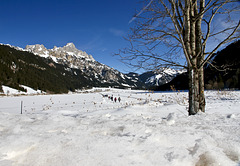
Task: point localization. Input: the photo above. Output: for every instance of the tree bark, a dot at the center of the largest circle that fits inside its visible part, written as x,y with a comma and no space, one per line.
200,55
202,102
193,91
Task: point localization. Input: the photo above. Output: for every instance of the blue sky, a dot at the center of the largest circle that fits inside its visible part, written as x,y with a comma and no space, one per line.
94,26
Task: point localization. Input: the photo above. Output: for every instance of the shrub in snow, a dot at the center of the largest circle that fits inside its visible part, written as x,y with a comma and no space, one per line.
170,119
231,116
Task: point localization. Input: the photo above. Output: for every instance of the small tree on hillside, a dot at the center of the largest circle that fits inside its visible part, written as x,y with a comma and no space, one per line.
182,33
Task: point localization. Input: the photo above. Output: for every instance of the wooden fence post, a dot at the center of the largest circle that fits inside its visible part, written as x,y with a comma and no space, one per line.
21,106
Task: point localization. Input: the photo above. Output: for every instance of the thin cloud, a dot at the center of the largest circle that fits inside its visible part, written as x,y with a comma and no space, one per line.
140,12
92,44
116,32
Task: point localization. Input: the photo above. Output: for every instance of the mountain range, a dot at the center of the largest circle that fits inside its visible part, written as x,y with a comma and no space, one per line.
57,70
63,69
70,56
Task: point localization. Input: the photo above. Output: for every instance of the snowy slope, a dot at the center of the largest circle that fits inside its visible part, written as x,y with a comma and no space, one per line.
143,129
160,77
10,91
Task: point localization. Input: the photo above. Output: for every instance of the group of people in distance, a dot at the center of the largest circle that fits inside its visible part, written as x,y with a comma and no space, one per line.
115,99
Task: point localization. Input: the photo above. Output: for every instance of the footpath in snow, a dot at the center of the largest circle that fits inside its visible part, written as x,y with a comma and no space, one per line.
144,129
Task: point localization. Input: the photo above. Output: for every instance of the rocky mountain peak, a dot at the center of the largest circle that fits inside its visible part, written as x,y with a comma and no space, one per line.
68,51
70,47
38,49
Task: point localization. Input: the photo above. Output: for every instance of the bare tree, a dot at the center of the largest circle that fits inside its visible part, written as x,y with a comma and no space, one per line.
182,33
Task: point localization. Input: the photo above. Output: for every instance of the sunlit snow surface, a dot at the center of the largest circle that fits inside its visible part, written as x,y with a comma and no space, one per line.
143,129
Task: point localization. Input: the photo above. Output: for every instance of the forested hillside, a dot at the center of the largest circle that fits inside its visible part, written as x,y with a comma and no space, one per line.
224,70
24,68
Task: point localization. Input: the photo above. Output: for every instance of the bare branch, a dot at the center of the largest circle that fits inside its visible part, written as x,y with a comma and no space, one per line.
171,23
214,12
219,45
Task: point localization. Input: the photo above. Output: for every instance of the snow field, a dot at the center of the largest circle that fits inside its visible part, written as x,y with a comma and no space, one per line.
143,129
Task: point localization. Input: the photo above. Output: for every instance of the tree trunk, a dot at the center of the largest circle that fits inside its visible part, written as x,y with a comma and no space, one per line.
193,91
200,56
190,92
202,102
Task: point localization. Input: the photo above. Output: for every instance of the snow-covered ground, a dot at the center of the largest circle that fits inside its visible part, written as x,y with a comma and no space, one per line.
143,129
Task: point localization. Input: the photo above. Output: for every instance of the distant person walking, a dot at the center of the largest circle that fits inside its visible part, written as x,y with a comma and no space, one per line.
115,99
119,99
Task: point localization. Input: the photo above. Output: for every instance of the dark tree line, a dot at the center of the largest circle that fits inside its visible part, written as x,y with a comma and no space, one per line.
224,70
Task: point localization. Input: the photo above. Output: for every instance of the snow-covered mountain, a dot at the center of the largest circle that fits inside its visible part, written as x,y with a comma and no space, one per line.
159,77
68,52
72,57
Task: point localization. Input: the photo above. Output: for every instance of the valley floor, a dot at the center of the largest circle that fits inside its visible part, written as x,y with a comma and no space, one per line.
143,129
